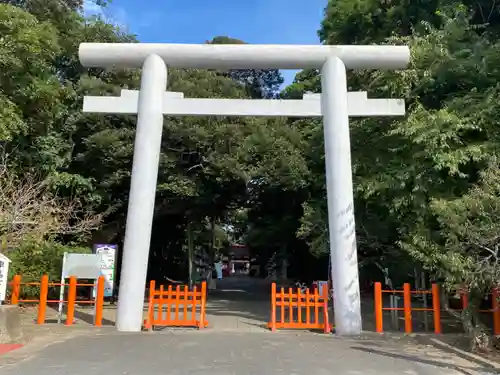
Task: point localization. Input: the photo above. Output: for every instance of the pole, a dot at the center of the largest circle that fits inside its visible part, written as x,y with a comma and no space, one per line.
61,290
190,253
42,303
379,312
99,301
423,285
343,250
16,290
393,300
496,311
70,315
407,308
436,307
147,148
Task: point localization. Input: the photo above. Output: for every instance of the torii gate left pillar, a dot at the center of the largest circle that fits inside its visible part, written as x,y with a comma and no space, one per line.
141,203
334,107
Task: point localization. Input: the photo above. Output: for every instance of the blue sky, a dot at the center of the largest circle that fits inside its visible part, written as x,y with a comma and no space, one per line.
195,21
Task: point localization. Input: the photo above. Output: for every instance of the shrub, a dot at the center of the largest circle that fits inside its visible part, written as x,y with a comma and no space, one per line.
32,260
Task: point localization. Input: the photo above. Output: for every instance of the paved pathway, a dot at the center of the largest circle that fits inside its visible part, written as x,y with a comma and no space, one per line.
221,353
239,303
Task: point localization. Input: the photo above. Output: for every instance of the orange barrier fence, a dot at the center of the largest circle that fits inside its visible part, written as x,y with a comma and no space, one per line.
298,301
435,309
71,302
179,307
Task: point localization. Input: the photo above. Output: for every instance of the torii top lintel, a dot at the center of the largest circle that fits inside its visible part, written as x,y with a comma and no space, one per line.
243,56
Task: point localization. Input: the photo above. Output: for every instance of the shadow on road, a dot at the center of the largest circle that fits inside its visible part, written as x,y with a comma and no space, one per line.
426,361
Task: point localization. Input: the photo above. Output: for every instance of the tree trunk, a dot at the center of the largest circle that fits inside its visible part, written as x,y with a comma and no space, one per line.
190,253
473,327
212,241
284,264
479,340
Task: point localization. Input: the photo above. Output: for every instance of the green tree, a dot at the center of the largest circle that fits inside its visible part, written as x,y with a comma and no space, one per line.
412,175
259,83
371,21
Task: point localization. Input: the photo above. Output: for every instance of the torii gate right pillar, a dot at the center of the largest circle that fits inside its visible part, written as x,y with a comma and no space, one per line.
341,226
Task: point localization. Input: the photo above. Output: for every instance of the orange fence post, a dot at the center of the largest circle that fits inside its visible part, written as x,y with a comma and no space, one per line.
273,307
169,297
496,311
176,302
203,303
436,308
42,303
148,323
316,308
465,299
152,288
99,301
326,320
379,314
308,306
16,289
193,303
299,306
71,301
407,308
151,314
282,304
185,298
160,303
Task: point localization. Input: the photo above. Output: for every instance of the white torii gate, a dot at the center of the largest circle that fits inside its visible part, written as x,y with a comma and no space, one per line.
152,102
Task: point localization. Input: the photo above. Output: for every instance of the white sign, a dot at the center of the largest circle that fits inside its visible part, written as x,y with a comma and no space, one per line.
4,274
107,255
82,266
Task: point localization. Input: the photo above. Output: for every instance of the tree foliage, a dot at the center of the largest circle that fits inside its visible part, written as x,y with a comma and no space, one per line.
259,83
425,185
